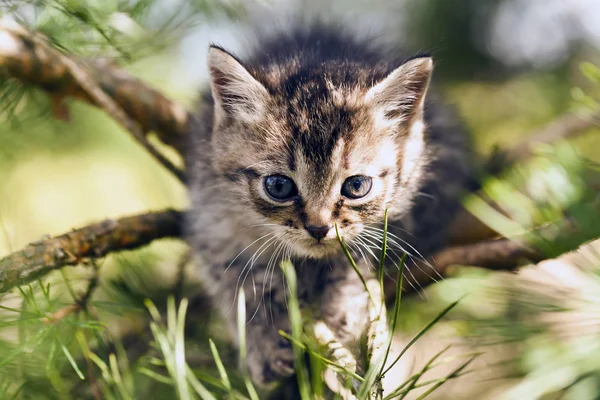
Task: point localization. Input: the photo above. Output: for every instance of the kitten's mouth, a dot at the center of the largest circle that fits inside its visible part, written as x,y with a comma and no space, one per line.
317,248
307,246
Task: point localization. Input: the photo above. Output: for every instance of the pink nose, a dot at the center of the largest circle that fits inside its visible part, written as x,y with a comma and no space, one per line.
318,232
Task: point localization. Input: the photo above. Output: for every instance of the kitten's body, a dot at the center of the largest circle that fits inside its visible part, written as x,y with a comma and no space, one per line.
317,106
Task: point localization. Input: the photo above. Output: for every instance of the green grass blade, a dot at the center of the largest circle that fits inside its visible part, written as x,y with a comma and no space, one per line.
28,345
116,374
29,299
178,321
198,387
220,366
352,262
322,358
396,312
370,380
21,312
297,328
171,342
452,375
171,318
383,250
156,376
422,332
72,362
241,324
415,378
208,379
376,371
154,313
45,290
100,364
493,218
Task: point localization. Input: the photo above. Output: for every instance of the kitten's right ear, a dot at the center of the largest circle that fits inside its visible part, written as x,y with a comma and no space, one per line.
400,95
236,92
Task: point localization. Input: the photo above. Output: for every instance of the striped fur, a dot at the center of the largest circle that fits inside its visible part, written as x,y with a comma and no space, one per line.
318,106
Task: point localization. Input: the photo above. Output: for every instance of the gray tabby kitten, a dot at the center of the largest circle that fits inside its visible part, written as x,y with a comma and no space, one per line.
315,128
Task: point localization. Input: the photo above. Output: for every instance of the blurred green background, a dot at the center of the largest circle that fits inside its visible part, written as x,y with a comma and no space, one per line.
509,66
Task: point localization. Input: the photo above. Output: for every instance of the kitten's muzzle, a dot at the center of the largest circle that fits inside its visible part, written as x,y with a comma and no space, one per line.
318,232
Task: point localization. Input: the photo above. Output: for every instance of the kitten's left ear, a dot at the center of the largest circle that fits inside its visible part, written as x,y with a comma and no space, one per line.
236,92
401,94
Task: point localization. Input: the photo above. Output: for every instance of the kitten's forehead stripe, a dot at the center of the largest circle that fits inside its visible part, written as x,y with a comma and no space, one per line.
316,123
291,159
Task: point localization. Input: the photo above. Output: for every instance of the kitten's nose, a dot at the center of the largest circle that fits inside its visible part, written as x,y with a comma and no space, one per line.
318,232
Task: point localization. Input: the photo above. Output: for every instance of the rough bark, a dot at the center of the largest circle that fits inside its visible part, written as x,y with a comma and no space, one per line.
39,258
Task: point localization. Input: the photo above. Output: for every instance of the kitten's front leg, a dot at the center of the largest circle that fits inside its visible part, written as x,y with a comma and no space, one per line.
269,355
345,301
352,307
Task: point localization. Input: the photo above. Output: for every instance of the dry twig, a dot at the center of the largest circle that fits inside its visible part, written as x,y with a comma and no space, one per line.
564,127
134,105
81,303
97,240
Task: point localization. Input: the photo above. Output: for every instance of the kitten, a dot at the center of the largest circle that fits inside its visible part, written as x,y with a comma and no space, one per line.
315,128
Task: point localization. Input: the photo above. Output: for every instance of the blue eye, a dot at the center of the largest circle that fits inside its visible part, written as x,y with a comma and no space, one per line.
280,187
357,186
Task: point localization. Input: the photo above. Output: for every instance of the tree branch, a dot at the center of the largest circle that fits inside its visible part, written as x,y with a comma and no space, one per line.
466,228
97,240
498,254
133,104
31,59
566,126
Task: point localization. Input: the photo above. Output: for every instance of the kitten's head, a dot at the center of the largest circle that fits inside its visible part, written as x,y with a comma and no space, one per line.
308,149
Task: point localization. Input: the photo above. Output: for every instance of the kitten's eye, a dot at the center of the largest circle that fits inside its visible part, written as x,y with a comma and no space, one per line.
356,186
280,188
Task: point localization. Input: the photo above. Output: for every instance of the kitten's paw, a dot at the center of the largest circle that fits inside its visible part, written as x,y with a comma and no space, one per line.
272,362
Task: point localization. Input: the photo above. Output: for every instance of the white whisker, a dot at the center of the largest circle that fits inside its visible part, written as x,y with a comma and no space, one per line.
360,243
269,275
246,248
253,260
365,241
433,278
390,225
391,237
270,270
250,263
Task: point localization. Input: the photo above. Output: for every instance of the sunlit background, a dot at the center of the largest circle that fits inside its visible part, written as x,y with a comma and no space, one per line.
510,67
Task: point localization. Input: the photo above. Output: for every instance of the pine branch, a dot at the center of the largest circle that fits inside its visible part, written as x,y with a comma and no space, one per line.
81,302
97,240
564,127
466,228
497,255
137,107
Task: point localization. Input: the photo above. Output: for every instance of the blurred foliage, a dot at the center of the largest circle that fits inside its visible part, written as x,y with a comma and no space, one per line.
552,201
453,32
58,175
123,29
541,328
